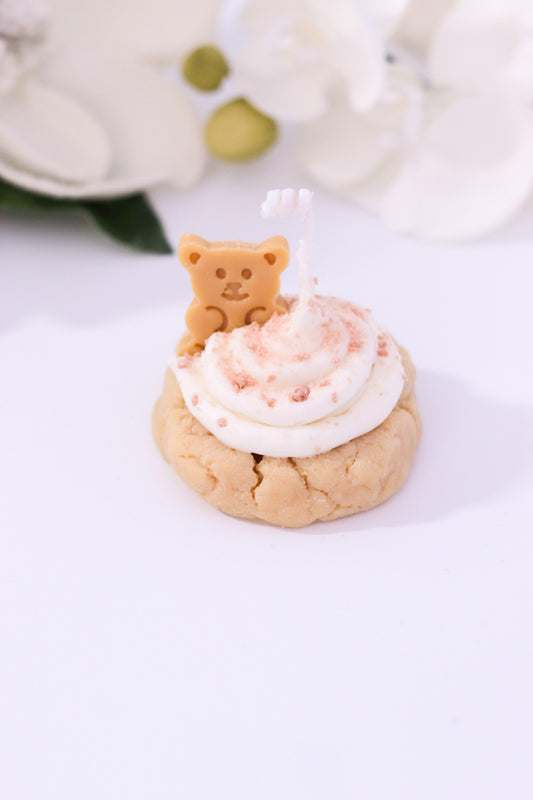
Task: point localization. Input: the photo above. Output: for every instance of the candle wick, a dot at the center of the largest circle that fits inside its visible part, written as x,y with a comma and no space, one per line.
283,203
304,254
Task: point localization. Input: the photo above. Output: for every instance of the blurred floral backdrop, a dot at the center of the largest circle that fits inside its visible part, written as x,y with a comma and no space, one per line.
418,110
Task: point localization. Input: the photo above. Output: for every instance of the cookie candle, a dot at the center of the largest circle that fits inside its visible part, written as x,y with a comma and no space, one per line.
287,380
303,382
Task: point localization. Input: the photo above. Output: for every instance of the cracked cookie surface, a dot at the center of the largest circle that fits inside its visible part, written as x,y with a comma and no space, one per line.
290,492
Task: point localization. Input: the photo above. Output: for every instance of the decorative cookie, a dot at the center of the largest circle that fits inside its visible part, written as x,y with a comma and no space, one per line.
234,284
309,415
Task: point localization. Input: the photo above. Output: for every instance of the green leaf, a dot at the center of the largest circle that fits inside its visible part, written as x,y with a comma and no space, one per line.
15,198
130,220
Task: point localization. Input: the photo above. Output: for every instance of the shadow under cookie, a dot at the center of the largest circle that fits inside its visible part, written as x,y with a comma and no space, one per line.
290,492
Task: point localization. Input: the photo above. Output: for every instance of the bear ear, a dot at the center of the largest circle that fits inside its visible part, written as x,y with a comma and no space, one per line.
275,251
191,249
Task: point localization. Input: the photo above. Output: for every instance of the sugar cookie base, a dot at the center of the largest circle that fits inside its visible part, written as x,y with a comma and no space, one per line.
290,492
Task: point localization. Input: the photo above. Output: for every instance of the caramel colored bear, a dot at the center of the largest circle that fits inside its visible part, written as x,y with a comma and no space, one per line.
234,284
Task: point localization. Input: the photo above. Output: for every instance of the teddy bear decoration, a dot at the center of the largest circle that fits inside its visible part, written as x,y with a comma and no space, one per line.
236,283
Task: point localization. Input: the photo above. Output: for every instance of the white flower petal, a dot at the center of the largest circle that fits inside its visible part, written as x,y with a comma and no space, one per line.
419,22
388,13
297,95
160,29
342,146
277,69
356,48
518,76
105,188
258,15
43,131
299,49
362,63
154,132
471,173
475,43
371,191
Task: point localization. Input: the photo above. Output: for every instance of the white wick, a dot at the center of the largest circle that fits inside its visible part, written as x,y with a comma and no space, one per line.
284,203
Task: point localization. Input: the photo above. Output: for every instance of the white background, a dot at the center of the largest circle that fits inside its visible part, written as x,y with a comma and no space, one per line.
153,648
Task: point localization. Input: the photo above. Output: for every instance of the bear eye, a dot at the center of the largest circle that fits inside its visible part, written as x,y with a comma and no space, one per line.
220,273
246,274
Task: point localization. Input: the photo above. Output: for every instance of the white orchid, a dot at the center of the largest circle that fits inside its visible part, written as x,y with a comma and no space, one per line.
82,111
296,51
440,144
472,167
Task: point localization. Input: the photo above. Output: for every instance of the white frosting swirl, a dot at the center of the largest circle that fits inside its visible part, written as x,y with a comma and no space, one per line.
301,384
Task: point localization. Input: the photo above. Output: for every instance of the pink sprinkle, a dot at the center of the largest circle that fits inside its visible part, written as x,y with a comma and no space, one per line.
382,346
303,356
222,422
300,394
258,349
194,399
315,281
271,378
184,361
270,401
241,380
334,397
325,383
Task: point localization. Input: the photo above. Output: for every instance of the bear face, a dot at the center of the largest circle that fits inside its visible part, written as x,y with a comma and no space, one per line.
234,284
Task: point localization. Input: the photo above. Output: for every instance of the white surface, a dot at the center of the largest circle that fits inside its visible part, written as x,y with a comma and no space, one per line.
153,648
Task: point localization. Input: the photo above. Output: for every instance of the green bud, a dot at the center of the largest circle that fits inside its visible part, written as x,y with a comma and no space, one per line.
205,68
238,132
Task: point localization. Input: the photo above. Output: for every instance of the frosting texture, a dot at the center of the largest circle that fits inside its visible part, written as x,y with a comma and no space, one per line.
301,384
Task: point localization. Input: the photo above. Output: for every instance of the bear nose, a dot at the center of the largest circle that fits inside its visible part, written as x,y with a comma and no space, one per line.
234,287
